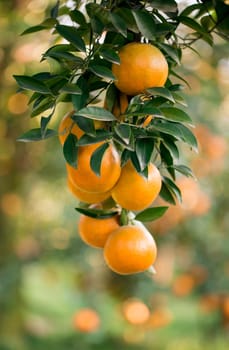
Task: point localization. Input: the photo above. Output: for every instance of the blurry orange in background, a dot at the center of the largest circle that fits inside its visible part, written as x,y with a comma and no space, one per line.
183,285
86,320
160,317
18,103
135,311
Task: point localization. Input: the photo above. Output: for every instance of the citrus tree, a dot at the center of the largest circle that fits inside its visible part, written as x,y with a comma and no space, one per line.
115,66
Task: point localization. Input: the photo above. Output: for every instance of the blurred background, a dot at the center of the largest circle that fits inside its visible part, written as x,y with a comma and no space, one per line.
55,292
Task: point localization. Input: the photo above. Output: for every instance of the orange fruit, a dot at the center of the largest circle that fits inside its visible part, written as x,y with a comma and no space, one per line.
94,231
84,177
87,197
135,311
133,191
66,126
86,320
130,249
141,66
147,120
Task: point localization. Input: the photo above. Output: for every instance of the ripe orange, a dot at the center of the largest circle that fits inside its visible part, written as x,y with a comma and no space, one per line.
86,320
84,177
130,249
87,197
141,66
66,126
96,231
133,191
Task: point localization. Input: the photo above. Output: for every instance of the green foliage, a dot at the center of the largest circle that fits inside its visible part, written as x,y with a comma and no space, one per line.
80,71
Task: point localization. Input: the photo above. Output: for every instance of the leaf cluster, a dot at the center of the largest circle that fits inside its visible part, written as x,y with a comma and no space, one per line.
80,71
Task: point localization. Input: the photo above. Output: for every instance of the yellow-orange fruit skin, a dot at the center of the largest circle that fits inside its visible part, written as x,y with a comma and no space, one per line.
84,177
134,191
87,197
94,231
130,249
141,66
66,126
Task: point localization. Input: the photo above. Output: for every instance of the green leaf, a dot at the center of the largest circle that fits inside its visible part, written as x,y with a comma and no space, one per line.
166,194
70,150
36,135
71,34
151,214
164,28
185,170
65,56
177,130
97,213
179,99
79,101
101,135
44,123
109,55
55,9
42,106
144,150
111,97
173,187
179,77
165,5
72,89
161,91
175,114
128,17
171,146
145,23
47,24
30,83
77,17
101,71
85,124
191,23
124,132
172,52
97,157
118,23
96,113
167,159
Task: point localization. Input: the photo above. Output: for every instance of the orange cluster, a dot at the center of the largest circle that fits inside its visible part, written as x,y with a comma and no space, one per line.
128,246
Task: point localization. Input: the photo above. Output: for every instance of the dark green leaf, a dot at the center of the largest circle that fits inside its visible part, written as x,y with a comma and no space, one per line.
44,123
165,5
124,132
128,17
109,54
41,107
145,23
172,52
175,114
151,214
118,23
96,113
167,159
72,89
30,83
97,157
77,17
173,188
164,28
71,34
144,150
171,146
183,169
36,135
191,23
166,194
79,101
85,124
161,91
47,24
55,9
179,99
111,97
70,150
97,213
101,135
101,71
